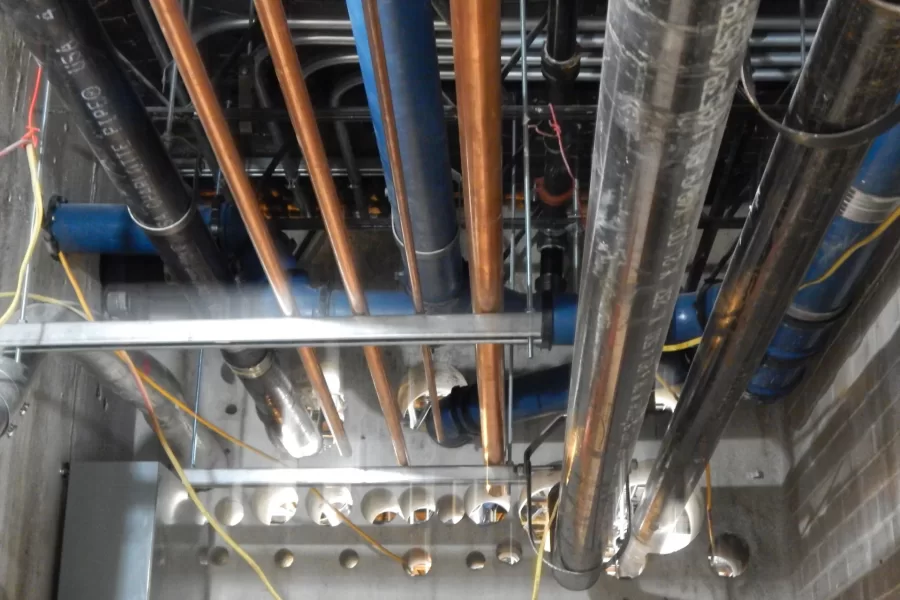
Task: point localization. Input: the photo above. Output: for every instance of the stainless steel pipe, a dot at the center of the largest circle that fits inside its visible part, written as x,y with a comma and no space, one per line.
666,89
852,76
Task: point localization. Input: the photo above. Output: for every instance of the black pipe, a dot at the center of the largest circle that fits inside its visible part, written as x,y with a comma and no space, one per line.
79,61
560,63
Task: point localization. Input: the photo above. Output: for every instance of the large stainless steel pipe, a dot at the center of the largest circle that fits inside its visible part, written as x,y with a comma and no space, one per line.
666,89
290,76
200,88
852,76
476,52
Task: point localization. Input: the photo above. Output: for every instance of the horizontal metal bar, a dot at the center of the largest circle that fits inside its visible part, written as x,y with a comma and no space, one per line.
362,113
505,328
352,476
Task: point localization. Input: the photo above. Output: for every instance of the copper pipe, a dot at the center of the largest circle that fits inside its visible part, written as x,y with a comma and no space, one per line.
296,96
476,54
392,141
184,51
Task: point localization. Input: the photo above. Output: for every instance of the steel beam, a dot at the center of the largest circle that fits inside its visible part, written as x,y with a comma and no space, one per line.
504,328
204,478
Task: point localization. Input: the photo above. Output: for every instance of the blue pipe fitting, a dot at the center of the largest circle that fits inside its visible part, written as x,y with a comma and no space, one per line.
109,229
412,62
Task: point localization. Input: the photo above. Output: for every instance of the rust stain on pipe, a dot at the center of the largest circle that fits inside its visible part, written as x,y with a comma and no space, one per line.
197,81
287,68
392,141
476,55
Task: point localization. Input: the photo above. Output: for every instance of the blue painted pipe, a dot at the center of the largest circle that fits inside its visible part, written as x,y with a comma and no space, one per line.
534,395
109,229
409,44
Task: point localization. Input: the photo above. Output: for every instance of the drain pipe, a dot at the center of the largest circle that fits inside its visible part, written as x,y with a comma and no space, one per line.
80,63
852,76
666,88
411,53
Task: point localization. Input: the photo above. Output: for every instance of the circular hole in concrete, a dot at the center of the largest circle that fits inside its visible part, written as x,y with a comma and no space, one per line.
218,556
450,510
284,558
274,506
323,507
731,555
349,558
229,512
231,409
509,552
475,560
379,506
417,562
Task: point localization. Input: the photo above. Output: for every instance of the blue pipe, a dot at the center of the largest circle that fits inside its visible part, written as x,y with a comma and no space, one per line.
409,44
874,195
534,395
109,229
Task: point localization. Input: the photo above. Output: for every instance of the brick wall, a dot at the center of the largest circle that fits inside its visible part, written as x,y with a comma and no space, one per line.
844,487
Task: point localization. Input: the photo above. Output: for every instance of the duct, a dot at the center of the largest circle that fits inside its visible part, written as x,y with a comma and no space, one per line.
422,133
851,77
665,92
560,63
476,53
299,106
79,62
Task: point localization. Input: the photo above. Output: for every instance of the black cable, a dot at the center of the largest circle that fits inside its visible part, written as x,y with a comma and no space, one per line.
270,169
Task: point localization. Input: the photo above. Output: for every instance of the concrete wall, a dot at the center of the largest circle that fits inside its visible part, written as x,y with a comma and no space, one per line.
67,419
844,488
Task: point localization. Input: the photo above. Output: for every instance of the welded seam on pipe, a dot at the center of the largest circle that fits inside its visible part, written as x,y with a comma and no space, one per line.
197,81
392,141
290,76
476,53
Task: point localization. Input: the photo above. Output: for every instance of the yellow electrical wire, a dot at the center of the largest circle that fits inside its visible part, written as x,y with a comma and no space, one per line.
852,249
709,523
694,342
41,299
539,564
358,531
168,449
32,240
64,261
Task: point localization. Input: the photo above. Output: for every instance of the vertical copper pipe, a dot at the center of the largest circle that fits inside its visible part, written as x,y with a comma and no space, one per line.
296,96
392,141
476,54
199,86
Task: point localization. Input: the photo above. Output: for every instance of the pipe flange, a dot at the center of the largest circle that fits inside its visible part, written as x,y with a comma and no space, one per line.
560,71
167,230
257,370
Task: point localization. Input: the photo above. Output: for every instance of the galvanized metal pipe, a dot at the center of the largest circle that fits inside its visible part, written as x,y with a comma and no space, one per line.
852,76
290,76
665,93
476,51
200,88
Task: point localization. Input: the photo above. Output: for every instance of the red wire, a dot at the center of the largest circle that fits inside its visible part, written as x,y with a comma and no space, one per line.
554,124
31,131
